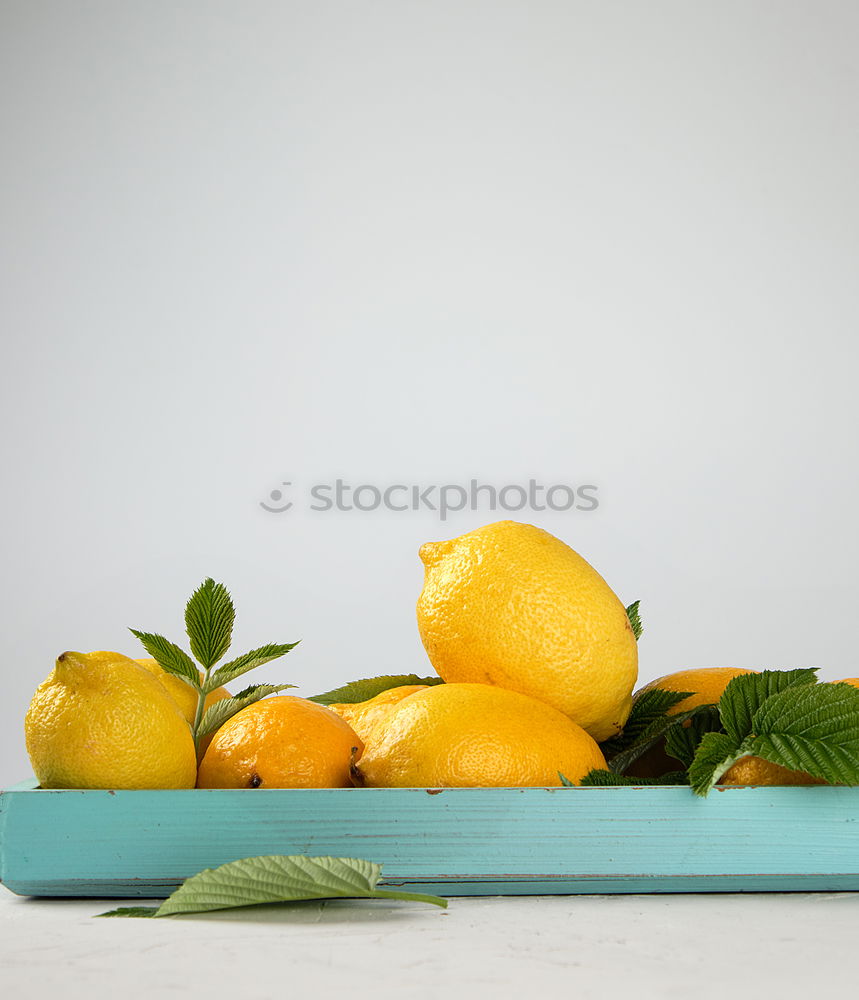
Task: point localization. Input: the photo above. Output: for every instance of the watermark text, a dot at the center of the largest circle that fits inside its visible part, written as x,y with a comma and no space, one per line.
443,499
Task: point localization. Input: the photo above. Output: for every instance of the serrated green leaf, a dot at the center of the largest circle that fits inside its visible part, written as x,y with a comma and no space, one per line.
620,762
169,657
635,619
681,742
821,711
648,708
814,728
216,715
209,619
658,729
363,690
745,694
716,752
836,765
228,672
131,911
282,878
599,778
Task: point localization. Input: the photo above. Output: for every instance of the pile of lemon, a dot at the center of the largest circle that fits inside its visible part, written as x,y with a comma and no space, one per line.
536,652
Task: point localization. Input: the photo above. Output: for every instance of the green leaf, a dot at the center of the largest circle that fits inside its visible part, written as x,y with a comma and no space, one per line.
209,618
635,619
131,911
648,708
745,694
814,728
681,742
715,754
363,690
281,878
249,661
656,731
216,715
599,778
169,657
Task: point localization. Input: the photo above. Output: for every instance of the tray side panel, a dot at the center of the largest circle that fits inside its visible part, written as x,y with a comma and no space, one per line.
456,841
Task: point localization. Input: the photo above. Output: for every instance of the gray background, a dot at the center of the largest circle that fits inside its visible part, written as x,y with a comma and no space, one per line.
608,243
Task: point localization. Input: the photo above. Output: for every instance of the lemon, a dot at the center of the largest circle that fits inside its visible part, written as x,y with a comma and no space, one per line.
183,694
284,742
100,720
473,735
705,683
753,770
512,606
363,716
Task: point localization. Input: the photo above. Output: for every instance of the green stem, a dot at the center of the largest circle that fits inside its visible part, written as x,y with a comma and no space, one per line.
201,703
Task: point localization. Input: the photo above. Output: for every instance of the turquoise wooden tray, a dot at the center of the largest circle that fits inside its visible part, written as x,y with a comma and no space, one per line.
456,841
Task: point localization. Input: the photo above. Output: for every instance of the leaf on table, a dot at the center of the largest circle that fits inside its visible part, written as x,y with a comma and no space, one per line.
279,878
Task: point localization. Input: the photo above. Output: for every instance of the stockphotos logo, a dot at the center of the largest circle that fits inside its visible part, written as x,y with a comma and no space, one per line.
442,499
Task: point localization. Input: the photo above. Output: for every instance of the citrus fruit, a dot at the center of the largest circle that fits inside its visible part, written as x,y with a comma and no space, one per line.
472,735
100,720
705,683
283,742
183,694
753,770
362,716
512,606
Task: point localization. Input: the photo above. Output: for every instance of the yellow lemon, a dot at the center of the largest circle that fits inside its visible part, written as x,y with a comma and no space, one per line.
757,771
753,770
100,720
183,694
363,716
513,606
473,735
284,742
705,683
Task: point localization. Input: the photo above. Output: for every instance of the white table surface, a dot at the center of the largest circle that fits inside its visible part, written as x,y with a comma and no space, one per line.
689,946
